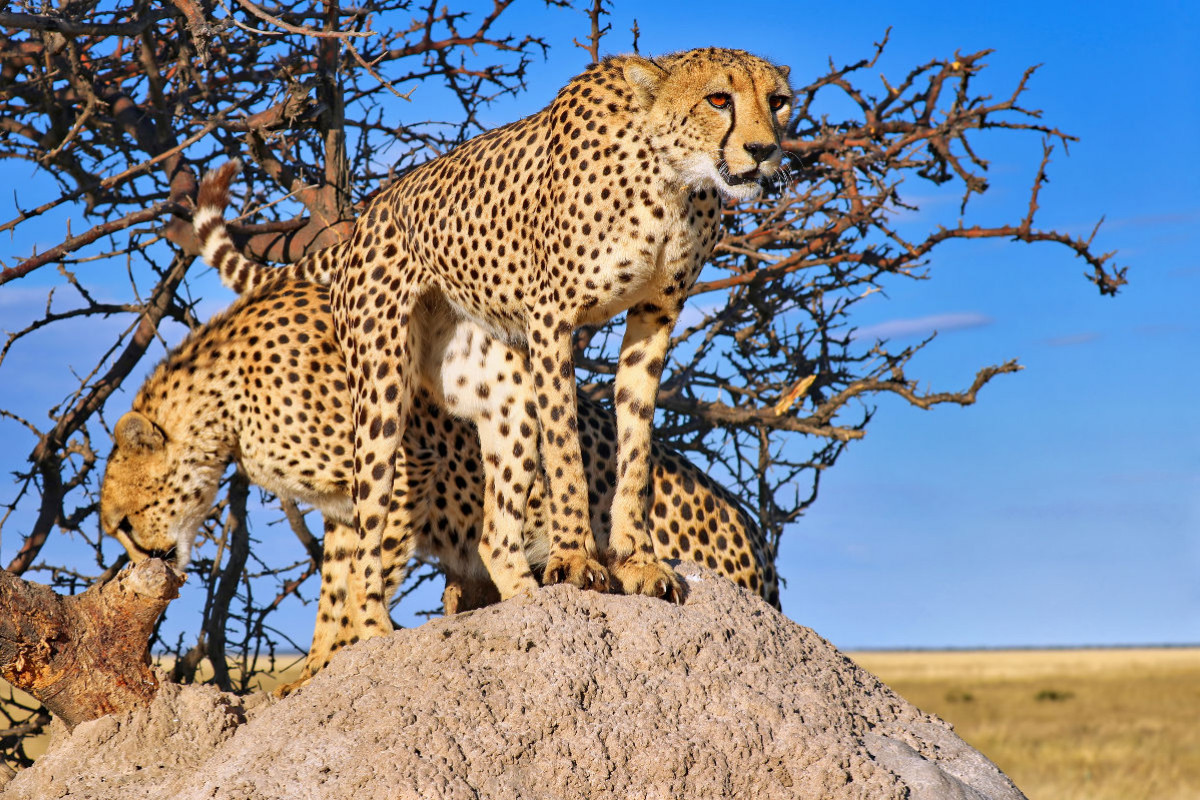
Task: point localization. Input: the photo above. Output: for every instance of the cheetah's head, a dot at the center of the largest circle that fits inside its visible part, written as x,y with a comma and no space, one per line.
146,500
717,115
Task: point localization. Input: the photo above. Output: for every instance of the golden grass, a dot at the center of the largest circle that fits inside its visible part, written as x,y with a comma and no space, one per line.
34,745
1066,724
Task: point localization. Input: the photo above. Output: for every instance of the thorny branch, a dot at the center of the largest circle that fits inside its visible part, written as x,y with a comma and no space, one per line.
595,12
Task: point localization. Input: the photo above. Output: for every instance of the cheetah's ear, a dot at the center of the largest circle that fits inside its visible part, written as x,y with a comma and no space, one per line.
643,76
135,431
784,70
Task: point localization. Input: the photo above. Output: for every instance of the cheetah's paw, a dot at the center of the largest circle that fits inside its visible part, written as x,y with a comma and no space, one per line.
648,576
284,689
576,569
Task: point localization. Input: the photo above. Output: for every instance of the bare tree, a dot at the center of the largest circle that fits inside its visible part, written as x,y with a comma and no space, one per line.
122,108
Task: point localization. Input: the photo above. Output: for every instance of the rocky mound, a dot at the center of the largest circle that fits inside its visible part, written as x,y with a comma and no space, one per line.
567,694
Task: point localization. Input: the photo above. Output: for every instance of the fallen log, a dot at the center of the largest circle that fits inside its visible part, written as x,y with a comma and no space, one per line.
83,656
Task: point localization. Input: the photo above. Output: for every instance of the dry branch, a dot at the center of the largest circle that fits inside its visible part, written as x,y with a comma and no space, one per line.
115,111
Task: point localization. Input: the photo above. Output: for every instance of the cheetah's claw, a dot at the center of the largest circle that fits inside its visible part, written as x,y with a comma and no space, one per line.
634,575
582,571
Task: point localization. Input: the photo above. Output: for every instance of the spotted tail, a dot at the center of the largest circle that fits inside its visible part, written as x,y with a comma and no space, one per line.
239,273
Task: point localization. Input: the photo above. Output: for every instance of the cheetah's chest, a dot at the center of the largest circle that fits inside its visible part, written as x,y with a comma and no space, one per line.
640,267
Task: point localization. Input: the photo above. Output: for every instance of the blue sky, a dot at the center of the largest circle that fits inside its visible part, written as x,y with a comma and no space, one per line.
1064,507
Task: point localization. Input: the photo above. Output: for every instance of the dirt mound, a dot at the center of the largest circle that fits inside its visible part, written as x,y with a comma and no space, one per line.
566,694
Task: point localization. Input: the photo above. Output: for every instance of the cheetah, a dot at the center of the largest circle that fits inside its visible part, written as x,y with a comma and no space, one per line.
264,385
605,202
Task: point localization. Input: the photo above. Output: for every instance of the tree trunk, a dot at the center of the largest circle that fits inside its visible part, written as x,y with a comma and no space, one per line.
87,655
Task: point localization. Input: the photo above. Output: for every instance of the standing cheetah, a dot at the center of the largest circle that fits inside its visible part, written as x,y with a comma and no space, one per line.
606,201
264,384
445,373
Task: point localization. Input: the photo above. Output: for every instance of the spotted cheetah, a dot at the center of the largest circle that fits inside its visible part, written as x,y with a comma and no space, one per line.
459,375
264,384
606,201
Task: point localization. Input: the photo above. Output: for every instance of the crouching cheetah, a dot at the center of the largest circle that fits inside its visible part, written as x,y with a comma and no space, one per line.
606,201
264,384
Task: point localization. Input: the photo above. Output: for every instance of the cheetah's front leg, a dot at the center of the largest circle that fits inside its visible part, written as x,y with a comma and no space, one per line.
632,560
336,627
573,558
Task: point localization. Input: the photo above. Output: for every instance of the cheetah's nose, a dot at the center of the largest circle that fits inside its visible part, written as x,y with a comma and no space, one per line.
760,151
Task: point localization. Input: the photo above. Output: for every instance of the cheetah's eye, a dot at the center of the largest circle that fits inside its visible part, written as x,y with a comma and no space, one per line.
777,102
719,100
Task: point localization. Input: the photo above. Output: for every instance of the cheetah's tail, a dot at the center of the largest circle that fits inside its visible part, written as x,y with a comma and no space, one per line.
239,273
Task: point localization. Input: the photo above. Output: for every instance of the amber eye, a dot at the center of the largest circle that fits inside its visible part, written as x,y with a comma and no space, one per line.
777,102
720,100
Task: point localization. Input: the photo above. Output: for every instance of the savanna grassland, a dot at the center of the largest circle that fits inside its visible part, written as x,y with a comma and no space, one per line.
1120,724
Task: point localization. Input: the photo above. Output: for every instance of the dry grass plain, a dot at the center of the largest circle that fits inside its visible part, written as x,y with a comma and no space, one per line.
1064,724
1120,724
